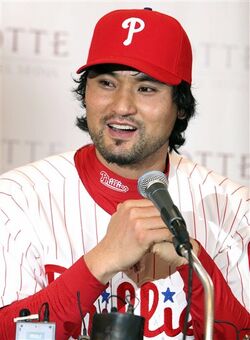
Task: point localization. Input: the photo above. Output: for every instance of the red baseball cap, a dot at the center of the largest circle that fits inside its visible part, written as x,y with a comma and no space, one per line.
149,41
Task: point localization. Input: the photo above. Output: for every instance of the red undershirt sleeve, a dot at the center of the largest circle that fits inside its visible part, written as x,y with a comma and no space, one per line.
61,296
226,307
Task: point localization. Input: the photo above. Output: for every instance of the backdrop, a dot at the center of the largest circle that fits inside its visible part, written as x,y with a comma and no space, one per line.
42,43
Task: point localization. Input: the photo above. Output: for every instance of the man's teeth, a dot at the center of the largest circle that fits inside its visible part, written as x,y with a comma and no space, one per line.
122,127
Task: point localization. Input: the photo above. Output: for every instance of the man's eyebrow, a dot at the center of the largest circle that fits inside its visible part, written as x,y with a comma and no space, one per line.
140,76
144,77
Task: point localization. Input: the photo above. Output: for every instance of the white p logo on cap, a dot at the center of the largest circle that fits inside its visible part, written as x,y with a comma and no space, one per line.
130,23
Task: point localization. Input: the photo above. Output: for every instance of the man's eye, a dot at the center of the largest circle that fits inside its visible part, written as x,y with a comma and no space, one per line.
146,89
106,83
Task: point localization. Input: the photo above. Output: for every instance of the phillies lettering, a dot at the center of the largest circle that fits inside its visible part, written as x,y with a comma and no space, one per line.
126,291
112,183
134,25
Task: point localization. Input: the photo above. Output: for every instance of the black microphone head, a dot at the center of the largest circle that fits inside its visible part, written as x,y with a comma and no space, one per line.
149,178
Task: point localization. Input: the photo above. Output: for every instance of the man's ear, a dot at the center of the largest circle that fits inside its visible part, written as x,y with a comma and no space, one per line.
181,114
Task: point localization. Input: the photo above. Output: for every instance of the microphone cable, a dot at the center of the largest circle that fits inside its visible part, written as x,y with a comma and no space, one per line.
84,334
46,312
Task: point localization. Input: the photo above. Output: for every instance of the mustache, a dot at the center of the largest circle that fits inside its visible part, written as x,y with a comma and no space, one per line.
121,118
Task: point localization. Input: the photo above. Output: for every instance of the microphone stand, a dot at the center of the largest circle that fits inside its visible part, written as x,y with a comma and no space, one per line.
208,290
153,185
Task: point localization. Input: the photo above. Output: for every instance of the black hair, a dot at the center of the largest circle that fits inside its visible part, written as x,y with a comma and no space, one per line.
182,97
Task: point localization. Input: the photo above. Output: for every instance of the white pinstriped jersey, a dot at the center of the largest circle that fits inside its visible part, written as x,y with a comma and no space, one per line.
48,219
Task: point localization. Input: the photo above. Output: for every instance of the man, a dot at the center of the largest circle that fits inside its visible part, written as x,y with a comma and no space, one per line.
77,221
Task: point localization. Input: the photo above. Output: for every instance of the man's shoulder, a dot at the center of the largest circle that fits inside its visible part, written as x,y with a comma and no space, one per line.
51,168
185,169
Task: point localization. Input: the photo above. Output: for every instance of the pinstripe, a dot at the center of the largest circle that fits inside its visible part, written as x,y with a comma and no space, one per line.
179,163
238,189
192,171
11,180
204,215
12,198
54,167
67,160
5,274
247,221
96,226
193,210
239,273
217,205
225,210
23,174
178,185
26,252
15,237
209,173
80,216
8,242
52,221
65,219
4,213
227,267
235,216
21,276
35,280
223,181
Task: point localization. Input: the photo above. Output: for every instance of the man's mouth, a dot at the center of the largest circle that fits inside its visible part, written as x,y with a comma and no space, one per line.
121,131
122,127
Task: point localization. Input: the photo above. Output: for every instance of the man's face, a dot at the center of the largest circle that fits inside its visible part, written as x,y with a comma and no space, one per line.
130,116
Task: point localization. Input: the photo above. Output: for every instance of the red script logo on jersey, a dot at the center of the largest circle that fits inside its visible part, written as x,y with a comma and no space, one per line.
112,183
148,307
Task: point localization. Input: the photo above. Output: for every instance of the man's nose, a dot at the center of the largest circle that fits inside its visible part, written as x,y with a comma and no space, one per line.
124,102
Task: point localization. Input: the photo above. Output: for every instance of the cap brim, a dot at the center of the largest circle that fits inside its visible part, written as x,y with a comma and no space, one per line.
147,68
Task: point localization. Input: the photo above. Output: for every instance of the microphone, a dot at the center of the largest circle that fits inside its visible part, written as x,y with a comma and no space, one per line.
154,186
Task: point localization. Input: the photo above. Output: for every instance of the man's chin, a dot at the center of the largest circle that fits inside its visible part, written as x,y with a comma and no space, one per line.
119,152
121,158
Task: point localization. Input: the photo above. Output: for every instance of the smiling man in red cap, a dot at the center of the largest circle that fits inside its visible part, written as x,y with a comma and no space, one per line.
80,214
